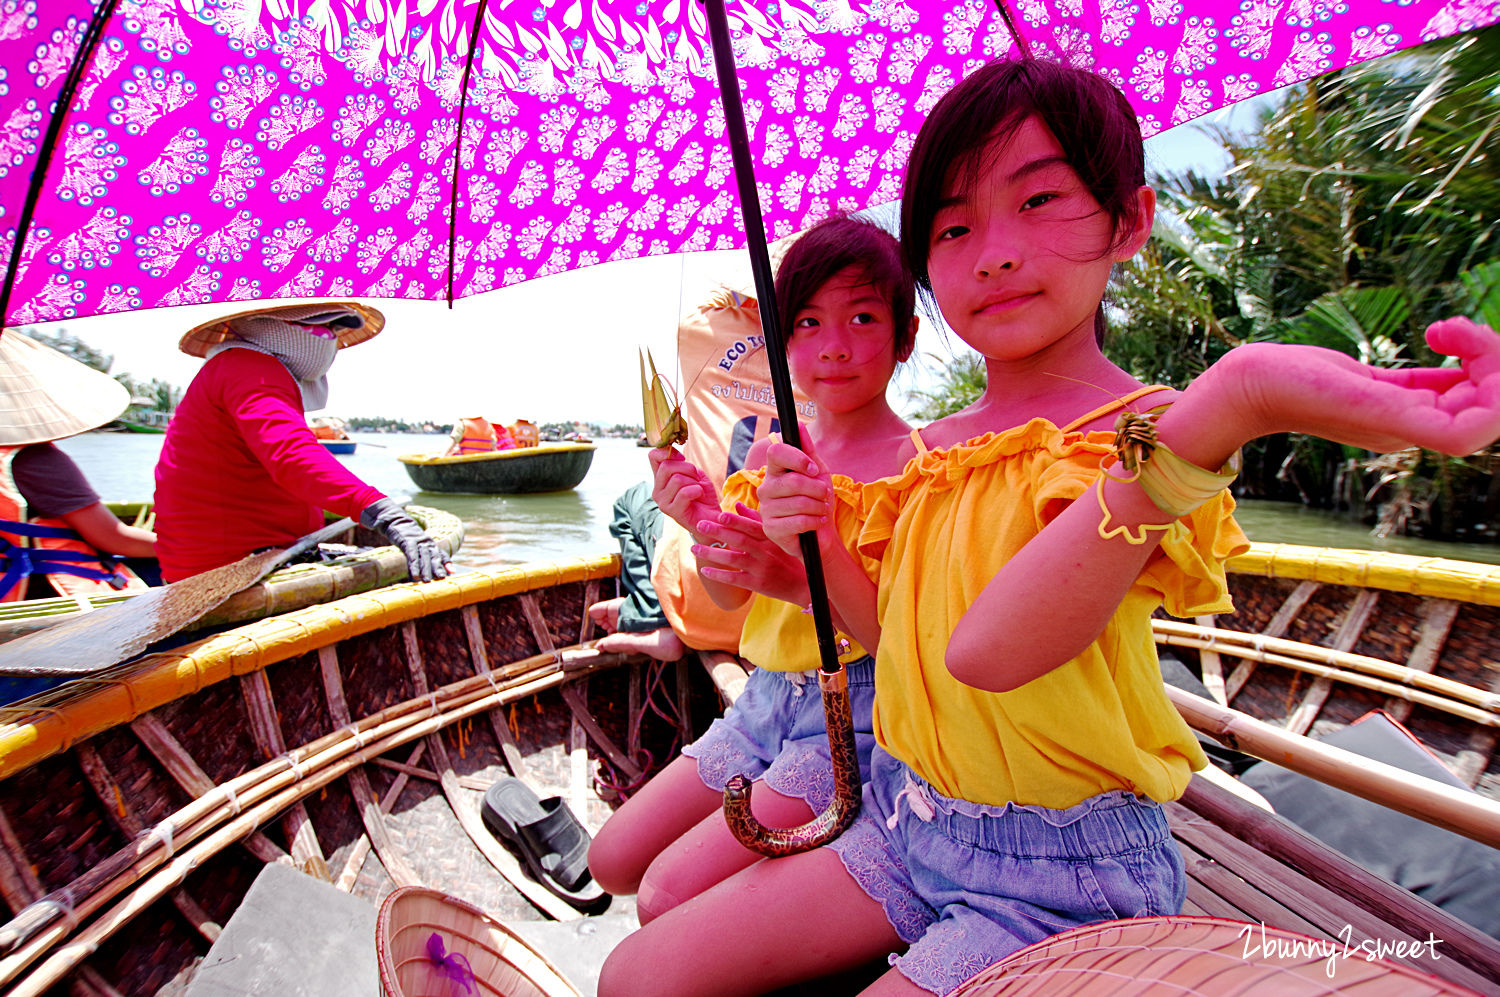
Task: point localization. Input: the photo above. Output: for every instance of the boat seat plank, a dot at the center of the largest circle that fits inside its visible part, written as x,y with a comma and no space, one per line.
1288,893
1206,901
1268,895
1470,957
1252,903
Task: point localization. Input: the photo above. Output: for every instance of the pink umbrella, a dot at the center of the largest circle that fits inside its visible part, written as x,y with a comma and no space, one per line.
163,152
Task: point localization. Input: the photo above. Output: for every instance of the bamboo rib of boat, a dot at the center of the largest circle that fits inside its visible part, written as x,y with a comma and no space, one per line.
1414,636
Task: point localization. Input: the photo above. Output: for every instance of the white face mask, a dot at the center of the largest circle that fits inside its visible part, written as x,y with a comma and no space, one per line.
306,348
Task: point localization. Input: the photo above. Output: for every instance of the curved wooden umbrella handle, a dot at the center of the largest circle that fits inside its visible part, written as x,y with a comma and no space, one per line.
778,841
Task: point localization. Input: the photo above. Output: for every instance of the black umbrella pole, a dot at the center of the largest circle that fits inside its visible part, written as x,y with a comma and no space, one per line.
832,681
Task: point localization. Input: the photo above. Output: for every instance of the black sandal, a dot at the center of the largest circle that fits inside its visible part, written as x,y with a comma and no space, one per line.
547,835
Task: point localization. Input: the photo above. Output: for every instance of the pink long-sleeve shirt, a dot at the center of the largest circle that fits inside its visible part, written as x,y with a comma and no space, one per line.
240,470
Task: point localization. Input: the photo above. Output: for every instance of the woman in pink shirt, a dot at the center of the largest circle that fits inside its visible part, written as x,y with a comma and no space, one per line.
240,470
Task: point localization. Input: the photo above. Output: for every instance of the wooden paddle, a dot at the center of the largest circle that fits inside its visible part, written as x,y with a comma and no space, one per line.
92,641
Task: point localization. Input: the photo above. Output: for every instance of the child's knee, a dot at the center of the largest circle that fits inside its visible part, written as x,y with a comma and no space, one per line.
611,863
656,895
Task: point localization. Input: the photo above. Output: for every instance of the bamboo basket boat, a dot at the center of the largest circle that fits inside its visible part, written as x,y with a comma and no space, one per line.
353,741
547,467
283,590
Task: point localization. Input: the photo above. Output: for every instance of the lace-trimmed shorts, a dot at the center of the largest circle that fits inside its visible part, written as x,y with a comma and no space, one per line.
966,884
775,732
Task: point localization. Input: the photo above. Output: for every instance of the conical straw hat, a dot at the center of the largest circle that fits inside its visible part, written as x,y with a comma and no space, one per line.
199,338
45,395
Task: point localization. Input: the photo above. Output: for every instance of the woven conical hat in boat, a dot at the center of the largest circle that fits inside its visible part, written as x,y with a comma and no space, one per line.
501,963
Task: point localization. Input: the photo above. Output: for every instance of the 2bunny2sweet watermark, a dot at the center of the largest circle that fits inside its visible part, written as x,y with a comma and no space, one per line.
1257,942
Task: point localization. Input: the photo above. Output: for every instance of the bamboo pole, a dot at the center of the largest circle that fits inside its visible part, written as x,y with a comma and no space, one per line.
401,871
88,893
1458,810
1479,705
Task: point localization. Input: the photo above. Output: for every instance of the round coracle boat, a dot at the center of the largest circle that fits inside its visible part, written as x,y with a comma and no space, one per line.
311,789
550,467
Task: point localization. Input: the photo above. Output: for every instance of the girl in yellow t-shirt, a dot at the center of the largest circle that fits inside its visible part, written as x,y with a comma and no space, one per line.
1025,742
846,301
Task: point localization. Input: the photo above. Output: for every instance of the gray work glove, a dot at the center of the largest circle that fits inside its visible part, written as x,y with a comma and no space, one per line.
424,558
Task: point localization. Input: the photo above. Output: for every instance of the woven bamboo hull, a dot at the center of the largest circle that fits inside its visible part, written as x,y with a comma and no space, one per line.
354,740
551,467
283,590
1434,616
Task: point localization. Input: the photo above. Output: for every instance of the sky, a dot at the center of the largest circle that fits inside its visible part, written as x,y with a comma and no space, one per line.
555,349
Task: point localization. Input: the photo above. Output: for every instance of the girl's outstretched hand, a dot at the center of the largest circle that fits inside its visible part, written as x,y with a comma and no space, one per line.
796,495
682,490
747,558
1306,389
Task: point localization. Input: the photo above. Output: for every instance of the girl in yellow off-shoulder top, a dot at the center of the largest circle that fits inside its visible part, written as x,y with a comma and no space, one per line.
1025,741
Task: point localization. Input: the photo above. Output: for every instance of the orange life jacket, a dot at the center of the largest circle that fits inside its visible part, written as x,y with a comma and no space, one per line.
476,436
46,546
525,433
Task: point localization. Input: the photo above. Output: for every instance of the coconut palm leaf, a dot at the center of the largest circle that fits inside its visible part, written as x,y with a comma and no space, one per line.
1370,320
1481,293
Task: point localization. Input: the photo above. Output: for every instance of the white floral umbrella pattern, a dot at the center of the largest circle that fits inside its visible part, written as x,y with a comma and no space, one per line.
164,152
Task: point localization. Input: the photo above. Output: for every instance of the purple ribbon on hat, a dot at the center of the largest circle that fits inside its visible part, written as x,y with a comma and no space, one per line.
455,967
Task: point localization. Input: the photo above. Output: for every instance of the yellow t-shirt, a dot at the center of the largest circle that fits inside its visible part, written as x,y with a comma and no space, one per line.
1099,722
777,635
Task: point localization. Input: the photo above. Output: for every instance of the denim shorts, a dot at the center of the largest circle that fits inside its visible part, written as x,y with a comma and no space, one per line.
775,732
965,884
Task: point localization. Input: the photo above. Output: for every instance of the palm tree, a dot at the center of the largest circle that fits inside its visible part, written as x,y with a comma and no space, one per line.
1360,209
960,383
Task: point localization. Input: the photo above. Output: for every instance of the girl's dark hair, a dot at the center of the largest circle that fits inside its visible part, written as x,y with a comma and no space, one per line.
1089,117
837,243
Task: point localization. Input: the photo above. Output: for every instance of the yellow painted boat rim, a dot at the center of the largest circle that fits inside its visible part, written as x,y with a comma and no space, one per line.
1439,577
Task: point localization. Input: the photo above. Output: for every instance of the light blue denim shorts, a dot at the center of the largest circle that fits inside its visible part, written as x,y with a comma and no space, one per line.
775,732
965,884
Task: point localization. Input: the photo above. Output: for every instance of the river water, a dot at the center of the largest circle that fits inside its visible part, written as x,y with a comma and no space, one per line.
513,529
